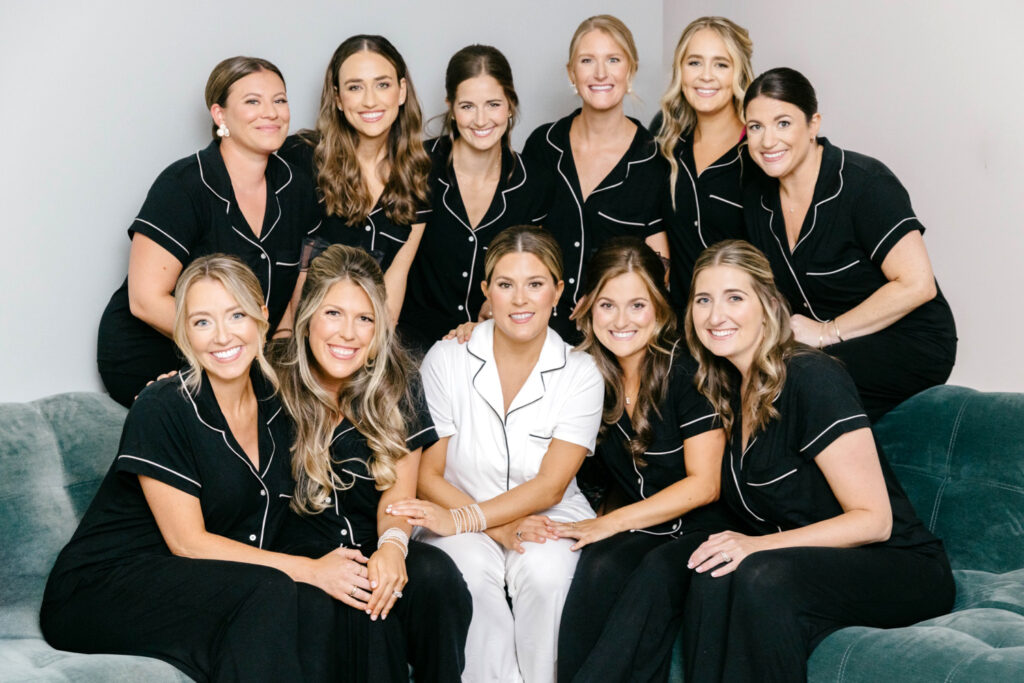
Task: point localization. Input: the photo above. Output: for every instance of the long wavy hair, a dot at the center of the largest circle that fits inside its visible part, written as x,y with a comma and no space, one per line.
403,170
617,257
767,373
677,116
371,398
242,285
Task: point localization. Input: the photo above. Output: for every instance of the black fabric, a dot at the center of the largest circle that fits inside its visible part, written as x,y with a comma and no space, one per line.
858,213
630,200
684,413
762,621
116,587
775,485
191,211
708,208
376,234
443,288
350,520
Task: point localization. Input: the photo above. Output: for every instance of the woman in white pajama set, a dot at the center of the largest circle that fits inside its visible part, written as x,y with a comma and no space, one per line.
517,411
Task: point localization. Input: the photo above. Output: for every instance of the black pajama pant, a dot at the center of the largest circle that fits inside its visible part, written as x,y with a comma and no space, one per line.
213,620
762,621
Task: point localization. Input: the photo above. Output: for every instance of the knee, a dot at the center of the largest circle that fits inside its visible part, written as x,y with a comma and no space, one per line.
766,578
434,576
548,571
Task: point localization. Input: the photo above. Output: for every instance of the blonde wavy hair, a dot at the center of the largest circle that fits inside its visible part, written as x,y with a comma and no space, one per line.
371,398
406,166
242,285
767,373
617,257
613,27
677,115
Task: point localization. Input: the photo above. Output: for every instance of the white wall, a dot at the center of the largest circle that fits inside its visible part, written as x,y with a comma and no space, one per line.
932,88
100,96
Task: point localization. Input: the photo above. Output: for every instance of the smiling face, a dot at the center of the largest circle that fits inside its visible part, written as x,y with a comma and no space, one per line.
601,70
341,334
707,73
369,93
780,138
522,292
256,113
624,317
223,337
727,315
481,112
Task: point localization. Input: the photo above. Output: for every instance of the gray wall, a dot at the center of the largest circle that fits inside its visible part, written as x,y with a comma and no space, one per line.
101,96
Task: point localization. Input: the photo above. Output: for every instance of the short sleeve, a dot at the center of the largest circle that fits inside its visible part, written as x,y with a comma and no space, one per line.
580,413
421,426
168,217
156,443
437,388
883,216
694,413
825,401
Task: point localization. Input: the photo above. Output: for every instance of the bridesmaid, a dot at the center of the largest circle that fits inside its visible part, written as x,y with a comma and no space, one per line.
700,132
367,160
479,186
602,169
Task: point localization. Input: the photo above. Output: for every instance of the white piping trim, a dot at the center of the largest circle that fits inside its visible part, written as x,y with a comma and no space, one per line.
886,235
778,478
202,177
837,270
602,214
266,257
413,436
845,419
163,467
722,199
782,250
814,220
705,417
140,220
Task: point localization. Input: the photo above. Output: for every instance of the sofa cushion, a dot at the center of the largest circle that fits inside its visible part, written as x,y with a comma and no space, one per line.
32,659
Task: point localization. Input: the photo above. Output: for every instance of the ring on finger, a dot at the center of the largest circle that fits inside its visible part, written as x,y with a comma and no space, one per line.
572,525
726,558
352,593
397,594
519,535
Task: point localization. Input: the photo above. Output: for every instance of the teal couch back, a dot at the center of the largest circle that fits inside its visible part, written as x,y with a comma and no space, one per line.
959,453
53,454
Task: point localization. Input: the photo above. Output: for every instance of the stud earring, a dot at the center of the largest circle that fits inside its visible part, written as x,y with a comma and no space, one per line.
572,86
223,132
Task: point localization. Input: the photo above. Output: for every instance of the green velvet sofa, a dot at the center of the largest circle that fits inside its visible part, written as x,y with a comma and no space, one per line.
958,452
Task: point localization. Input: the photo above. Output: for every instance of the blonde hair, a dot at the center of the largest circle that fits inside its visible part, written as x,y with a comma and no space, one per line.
528,239
242,285
372,398
677,115
617,257
614,28
767,373
339,178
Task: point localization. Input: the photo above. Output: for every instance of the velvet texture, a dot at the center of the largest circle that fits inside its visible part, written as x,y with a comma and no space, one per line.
959,454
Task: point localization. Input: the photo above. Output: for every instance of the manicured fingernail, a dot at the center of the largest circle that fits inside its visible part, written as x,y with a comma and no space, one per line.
373,584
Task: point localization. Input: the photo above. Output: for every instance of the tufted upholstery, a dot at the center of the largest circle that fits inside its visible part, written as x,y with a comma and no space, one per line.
53,455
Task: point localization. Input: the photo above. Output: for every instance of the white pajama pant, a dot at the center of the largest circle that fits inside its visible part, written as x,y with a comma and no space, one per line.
500,647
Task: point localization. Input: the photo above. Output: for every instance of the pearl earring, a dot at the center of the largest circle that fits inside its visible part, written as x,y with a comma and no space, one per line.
223,132
572,86
554,311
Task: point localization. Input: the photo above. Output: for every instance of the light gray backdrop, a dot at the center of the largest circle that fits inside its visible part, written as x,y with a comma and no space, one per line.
101,96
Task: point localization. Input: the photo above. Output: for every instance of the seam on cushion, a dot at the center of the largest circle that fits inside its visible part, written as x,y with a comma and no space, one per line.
841,674
949,458
952,672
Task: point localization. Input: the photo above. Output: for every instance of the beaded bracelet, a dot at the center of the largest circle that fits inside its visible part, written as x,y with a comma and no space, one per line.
397,537
468,519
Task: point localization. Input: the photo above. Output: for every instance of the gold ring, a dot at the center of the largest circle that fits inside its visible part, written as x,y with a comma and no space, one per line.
352,593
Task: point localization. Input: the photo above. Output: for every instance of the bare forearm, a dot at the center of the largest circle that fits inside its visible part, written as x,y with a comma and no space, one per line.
889,303
155,311
848,530
207,546
671,502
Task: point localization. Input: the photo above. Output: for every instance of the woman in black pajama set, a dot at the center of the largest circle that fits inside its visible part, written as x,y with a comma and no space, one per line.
661,445
361,422
602,170
167,559
828,536
700,133
473,170
854,269
192,210
367,161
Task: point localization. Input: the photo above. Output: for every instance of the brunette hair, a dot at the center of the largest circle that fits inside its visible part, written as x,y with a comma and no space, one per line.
613,27
677,116
528,239
767,373
470,62
224,75
786,85
371,398
242,285
617,257
404,169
